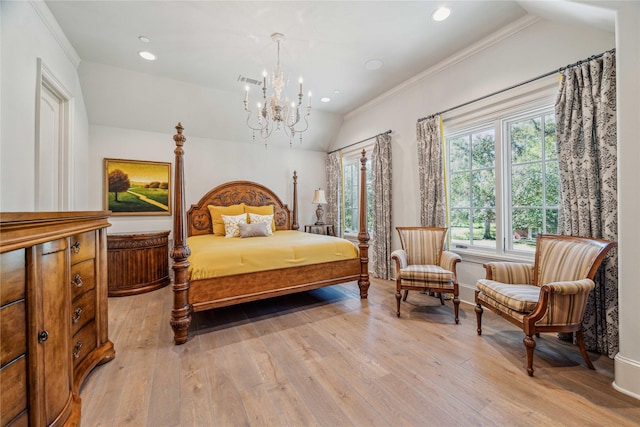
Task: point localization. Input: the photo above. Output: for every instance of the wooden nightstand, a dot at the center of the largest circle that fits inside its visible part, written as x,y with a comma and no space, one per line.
326,229
138,262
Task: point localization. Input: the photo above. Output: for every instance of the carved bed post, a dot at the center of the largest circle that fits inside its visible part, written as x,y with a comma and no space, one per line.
181,312
294,225
363,234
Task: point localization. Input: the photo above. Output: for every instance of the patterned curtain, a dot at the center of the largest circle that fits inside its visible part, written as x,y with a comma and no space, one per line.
431,173
333,167
587,140
380,244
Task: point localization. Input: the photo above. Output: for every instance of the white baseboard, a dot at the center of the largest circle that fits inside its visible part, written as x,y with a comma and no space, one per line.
627,376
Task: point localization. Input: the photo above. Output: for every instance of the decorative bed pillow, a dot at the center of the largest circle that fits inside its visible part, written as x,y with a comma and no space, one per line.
232,224
262,219
261,210
216,213
257,229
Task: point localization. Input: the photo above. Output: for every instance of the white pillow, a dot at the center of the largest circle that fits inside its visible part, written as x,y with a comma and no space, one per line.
267,219
232,224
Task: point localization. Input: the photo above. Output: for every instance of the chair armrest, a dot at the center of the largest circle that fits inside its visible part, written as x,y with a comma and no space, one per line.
400,256
448,261
561,303
515,273
573,287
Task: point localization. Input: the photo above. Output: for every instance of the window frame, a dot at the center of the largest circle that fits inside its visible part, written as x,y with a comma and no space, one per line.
495,111
349,157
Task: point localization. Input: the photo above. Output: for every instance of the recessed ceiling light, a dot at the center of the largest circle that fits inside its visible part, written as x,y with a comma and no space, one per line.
147,55
144,39
373,64
325,99
441,14
336,91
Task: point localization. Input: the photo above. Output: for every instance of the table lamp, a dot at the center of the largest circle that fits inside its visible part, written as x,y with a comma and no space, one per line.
319,199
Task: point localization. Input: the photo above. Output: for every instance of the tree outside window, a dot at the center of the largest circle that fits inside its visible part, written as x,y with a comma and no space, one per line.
528,177
351,174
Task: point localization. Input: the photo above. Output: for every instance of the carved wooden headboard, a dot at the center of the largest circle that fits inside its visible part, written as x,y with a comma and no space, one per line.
233,193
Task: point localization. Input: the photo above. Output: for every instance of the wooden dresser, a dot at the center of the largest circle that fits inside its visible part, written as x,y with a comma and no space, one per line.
138,262
53,313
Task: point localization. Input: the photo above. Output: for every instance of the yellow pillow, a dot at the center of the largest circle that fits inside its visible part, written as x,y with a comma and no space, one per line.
216,213
261,210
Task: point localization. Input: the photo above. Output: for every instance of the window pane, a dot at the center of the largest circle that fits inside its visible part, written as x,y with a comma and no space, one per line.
526,185
527,223
460,225
459,150
484,149
484,227
552,178
550,147
460,190
483,188
526,140
552,221
351,197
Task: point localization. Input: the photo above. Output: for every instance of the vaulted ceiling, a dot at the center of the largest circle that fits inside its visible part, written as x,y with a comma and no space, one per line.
328,43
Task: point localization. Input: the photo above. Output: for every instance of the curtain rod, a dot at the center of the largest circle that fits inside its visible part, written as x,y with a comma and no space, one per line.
364,140
550,73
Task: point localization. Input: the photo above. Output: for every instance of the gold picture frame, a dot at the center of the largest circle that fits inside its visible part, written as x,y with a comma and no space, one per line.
137,187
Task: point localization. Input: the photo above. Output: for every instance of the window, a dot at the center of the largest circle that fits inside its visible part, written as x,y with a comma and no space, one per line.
503,179
351,186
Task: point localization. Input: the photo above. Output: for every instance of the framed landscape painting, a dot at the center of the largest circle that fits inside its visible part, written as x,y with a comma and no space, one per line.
137,187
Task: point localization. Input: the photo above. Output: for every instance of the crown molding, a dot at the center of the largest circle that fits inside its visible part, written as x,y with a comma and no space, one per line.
56,31
502,34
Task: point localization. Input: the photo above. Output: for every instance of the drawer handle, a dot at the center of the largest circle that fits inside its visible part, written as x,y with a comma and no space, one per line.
77,281
75,248
76,315
76,348
43,336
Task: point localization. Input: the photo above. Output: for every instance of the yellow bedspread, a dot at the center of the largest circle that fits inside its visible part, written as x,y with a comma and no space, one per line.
216,256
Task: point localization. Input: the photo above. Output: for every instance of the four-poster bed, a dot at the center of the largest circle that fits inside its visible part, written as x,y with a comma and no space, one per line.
193,295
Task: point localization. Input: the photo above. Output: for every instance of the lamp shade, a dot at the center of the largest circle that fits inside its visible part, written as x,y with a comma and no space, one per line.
318,197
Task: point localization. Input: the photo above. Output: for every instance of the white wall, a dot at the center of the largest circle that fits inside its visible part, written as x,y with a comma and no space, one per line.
25,38
627,361
208,163
529,48
128,99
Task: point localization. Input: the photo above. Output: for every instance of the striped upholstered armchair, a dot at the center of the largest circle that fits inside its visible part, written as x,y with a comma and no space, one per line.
422,264
548,296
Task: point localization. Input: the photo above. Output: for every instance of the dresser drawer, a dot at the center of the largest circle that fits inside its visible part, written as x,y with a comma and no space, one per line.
83,247
83,277
83,343
13,393
12,276
13,330
83,310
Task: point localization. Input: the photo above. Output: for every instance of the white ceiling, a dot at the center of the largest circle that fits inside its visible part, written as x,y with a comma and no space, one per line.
211,43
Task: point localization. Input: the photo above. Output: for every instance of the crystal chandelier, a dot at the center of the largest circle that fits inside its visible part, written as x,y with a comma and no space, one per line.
274,112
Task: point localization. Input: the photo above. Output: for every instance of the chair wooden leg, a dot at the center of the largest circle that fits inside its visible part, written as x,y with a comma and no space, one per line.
441,299
406,293
398,298
583,350
456,307
530,345
479,318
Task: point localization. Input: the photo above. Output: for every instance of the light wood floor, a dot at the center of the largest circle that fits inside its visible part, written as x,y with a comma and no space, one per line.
327,358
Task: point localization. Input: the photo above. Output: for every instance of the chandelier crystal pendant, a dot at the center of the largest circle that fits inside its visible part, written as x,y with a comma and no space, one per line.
276,111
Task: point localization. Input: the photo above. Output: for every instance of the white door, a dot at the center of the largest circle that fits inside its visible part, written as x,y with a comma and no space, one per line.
49,188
